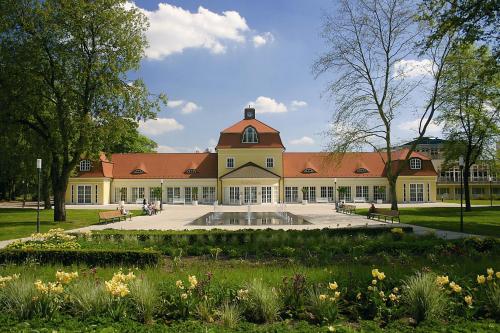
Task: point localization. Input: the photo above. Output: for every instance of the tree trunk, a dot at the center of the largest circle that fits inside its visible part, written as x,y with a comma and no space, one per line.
59,204
466,174
394,197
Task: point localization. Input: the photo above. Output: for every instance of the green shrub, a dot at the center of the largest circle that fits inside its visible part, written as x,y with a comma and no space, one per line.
16,298
230,315
493,300
139,258
262,304
423,298
144,297
87,297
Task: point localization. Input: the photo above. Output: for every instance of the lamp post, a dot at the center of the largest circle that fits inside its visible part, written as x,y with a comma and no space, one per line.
161,195
491,193
39,167
461,165
335,192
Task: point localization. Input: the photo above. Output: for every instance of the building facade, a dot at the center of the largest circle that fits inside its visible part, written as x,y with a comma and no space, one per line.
250,166
484,183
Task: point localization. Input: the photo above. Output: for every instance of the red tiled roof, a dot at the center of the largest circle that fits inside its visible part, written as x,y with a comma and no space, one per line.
268,136
326,166
166,166
240,126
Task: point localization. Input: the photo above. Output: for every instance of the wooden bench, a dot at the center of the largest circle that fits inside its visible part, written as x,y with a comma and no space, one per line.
113,215
385,213
346,209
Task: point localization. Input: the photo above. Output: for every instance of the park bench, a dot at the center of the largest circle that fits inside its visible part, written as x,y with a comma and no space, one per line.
322,200
346,209
359,199
380,213
113,215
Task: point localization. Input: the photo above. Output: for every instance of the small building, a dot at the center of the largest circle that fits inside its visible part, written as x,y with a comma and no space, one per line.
250,166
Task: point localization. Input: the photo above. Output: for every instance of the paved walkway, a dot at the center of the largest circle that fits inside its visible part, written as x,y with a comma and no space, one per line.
178,217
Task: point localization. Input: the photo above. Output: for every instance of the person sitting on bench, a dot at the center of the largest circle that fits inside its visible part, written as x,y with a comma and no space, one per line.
146,209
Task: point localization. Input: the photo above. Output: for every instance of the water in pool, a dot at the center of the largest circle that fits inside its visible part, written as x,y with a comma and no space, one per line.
257,218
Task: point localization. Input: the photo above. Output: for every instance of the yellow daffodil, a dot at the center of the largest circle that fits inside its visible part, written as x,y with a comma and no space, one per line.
64,277
322,297
375,272
381,294
193,281
333,286
184,296
490,271
331,328
337,294
179,284
370,288
481,279
242,294
117,288
358,296
381,276
393,297
442,280
374,282
497,275
455,287
468,300
395,290
489,277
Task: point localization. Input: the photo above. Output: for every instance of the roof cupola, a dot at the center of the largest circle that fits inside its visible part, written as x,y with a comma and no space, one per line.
249,113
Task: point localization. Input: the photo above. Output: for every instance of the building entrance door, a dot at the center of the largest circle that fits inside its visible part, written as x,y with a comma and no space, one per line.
250,195
234,195
266,194
417,192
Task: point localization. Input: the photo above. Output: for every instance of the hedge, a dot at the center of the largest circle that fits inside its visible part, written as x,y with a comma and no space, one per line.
91,258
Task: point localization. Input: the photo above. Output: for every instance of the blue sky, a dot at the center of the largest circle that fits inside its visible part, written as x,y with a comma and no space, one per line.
212,58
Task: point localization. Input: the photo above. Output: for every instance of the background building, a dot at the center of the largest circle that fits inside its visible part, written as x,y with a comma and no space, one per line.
250,166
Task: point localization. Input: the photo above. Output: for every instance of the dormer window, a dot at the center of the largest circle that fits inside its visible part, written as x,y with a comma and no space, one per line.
190,171
361,170
250,135
85,165
415,163
138,172
308,170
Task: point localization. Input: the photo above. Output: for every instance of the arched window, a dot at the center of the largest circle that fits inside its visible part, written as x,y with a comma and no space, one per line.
361,170
250,135
85,165
415,163
138,172
308,170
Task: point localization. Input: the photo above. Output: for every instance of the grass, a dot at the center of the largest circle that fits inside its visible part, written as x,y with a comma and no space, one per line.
480,221
17,223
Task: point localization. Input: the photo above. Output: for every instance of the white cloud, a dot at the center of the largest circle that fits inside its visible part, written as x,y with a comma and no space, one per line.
412,68
261,40
190,107
295,105
166,149
173,29
175,103
413,125
159,126
267,105
303,141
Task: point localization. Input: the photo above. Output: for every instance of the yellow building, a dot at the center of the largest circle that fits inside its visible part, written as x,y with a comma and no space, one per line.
250,166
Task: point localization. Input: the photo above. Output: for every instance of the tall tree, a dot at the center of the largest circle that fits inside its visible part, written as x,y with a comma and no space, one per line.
471,118
65,67
367,42
124,137
472,20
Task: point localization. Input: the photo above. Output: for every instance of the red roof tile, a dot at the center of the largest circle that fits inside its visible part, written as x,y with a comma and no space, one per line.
268,136
240,126
166,166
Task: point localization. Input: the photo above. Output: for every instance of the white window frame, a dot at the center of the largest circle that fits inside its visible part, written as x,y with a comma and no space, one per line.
250,137
227,162
85,165
415,163
269,165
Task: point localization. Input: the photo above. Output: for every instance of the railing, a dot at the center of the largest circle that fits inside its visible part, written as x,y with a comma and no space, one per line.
484,180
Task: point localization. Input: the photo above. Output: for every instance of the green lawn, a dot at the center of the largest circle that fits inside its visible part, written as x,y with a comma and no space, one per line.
16,222
481,221
477,202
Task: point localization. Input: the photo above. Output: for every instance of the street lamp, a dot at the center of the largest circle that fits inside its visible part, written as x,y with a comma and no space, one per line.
161,195
461,165
491,193
39,167
335,192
